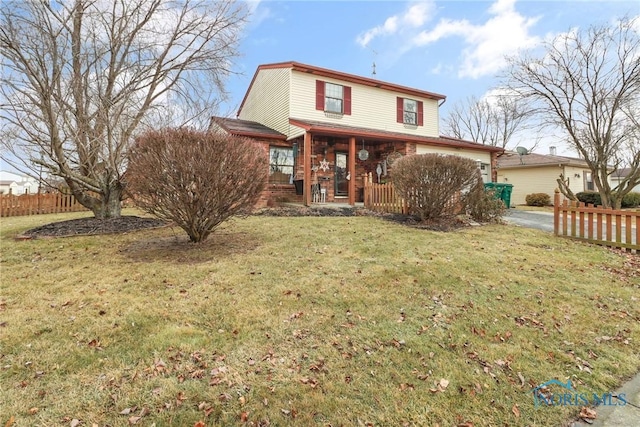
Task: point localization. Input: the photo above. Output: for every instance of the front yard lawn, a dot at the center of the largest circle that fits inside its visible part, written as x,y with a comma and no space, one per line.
309,321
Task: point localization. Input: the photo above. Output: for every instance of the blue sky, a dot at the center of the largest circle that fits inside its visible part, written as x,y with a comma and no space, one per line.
455,48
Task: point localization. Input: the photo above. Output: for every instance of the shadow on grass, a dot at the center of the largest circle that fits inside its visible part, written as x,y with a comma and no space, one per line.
178,249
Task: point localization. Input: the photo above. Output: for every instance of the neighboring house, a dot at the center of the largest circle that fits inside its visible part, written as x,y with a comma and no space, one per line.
327,129
538,173
13,183
619,175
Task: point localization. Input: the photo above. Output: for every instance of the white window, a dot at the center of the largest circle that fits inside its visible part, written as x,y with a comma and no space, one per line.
410,111
333,98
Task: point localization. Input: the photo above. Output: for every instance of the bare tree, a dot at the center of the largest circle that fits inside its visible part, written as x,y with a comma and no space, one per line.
81,78
587,83
196,179
490,122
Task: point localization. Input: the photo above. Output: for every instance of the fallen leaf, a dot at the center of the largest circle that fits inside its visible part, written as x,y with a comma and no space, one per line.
75,422
443,384
516,411
134,420
125,411
521,379
10,422
407,386
199,424
33,411
588,413
244,417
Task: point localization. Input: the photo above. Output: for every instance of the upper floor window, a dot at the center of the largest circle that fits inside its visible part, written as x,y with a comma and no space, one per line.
281,165
333,98
410,112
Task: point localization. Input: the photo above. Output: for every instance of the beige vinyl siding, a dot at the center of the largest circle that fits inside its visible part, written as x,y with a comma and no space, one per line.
371,107
615,181
576,183
268,101
530,180
481,156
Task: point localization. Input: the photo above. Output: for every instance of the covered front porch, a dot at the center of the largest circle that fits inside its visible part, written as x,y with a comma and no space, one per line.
332,163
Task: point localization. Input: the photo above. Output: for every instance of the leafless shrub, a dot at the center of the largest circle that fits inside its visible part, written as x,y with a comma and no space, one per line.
484,206
439,187
196,179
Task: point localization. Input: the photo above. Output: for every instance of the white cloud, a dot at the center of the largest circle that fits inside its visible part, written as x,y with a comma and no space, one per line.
485,44
414,16
258,12
488,43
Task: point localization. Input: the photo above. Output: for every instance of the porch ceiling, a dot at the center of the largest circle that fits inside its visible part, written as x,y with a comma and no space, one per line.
332,129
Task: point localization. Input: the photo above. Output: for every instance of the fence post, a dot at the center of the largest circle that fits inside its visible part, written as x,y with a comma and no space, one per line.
556,212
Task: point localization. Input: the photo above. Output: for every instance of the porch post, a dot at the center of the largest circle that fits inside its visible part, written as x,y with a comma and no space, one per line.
352,170
306,184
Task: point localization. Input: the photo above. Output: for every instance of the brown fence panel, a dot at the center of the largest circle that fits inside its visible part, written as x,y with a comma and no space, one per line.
36,204
615,228
382,197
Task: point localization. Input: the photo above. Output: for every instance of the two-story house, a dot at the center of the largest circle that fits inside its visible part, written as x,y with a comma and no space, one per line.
326,130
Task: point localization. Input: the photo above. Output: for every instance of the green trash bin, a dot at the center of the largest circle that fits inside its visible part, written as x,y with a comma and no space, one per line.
501,191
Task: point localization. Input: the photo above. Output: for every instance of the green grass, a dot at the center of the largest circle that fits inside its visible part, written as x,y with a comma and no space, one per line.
308,321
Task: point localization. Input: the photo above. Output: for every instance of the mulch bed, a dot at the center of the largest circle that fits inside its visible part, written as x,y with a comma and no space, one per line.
125,224
93,226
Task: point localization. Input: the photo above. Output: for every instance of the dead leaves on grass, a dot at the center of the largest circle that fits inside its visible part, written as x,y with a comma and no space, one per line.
440,386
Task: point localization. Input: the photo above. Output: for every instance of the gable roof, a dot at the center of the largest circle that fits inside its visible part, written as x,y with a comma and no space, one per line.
342,130
246,128
351,78
511,159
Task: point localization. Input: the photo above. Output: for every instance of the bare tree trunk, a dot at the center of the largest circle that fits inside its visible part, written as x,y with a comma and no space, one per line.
563,185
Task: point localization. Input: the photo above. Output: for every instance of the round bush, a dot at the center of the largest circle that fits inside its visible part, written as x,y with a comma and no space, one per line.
439,187
538,199
196,179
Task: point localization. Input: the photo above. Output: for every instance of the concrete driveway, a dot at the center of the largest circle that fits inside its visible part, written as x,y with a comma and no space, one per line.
531,219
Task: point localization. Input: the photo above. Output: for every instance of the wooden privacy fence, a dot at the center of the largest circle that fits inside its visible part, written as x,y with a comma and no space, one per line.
602,226
35,204
382,197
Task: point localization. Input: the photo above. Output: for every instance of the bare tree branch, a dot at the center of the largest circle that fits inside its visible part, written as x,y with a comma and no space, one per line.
490,122
587,83
80,79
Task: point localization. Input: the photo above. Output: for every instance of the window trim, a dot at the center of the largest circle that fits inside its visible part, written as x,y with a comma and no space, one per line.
321,92
401,111
328,99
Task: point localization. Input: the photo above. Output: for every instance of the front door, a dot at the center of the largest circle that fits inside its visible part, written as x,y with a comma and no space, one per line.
342,183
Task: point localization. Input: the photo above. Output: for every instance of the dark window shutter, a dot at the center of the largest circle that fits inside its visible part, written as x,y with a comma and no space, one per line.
400,110
319,95
420,114
347,100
